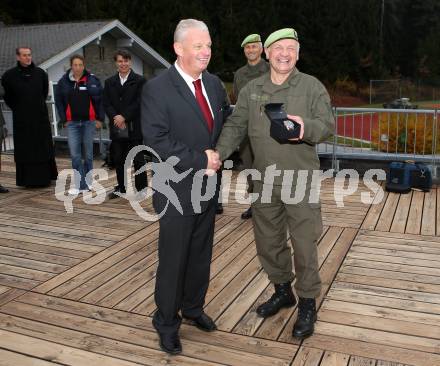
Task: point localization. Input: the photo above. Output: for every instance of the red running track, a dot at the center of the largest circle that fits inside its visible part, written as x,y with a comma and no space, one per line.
357,126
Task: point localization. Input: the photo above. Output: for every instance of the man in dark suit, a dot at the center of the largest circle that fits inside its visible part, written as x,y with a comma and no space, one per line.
122,105
182,115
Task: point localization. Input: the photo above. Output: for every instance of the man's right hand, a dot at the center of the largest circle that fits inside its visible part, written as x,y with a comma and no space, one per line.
214,162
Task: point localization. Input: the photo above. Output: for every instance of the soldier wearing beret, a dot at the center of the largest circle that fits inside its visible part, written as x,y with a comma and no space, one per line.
306,102
255,67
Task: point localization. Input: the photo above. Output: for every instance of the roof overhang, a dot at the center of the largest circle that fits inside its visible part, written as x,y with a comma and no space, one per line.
117,29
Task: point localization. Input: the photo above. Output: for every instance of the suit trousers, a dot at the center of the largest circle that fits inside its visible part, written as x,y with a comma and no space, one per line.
182,279
304,221
120,149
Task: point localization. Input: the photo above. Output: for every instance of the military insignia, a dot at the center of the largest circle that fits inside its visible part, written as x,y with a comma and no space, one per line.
259,98
288,124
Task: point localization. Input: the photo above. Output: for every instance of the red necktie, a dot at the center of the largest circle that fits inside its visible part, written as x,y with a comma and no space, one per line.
203,104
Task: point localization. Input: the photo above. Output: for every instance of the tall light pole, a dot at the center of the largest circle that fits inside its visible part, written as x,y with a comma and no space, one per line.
382,13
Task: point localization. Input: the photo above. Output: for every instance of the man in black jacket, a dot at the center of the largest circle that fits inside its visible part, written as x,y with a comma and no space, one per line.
2,136
182,116
26,89
122,106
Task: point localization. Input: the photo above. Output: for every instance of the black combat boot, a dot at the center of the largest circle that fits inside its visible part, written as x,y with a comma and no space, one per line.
305,323
282,298
247,214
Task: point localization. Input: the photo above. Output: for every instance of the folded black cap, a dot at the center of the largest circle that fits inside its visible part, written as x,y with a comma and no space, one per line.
281,128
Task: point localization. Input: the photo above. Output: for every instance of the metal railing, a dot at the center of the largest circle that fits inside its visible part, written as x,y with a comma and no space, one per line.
360,133
58,132
7,143
384,134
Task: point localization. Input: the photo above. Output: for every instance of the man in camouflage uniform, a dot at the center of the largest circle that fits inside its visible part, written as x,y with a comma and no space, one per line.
255,67
306,102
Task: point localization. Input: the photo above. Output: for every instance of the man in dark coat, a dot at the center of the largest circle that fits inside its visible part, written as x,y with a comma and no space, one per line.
122,105
26,88
2,136
182,116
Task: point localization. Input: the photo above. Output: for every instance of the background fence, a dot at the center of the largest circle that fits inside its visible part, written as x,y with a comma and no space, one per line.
385,135
58,132
360,133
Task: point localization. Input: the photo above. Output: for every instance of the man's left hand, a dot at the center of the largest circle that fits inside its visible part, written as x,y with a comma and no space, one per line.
98,124
300,121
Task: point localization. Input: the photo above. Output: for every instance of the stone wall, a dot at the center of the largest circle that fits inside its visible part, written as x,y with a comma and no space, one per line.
148,71
104,68
99,58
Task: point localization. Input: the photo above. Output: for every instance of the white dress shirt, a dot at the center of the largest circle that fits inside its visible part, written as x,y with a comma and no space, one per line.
122,79
189,81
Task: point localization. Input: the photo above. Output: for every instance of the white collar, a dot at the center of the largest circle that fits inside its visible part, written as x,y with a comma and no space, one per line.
189,81
188,78
126,76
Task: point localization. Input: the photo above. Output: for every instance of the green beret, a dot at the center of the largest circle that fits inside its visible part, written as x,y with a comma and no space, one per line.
281,34
251,38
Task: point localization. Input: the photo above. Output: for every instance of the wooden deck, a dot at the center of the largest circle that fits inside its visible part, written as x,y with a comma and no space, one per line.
77,289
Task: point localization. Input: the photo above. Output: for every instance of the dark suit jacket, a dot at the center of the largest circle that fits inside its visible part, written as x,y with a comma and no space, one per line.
124,100
2,119
173,125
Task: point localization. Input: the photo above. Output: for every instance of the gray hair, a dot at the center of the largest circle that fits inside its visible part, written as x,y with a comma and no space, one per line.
186,24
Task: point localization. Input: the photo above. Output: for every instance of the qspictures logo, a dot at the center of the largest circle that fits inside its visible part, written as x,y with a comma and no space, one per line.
296,186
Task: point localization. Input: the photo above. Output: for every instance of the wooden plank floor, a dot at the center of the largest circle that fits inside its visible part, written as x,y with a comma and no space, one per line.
412,213
39,240
77,289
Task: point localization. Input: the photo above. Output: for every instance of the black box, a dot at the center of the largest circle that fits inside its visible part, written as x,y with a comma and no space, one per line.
281,128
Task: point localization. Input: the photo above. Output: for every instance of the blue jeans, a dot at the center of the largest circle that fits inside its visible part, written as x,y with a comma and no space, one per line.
80,133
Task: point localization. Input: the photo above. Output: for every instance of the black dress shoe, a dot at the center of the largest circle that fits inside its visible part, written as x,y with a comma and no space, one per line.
305,323
203,322
115,192
282,298
219,209
247,214
170,342
3,189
